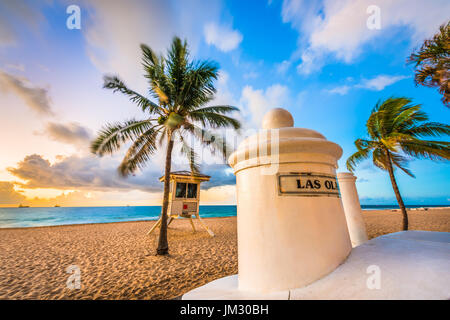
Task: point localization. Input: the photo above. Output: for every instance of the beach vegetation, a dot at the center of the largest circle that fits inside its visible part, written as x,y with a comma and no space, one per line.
397,132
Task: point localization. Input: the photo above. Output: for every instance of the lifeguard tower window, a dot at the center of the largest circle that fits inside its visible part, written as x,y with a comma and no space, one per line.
192,190
180,192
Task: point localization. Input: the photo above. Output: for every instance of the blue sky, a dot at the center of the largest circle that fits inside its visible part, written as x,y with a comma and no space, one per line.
318,59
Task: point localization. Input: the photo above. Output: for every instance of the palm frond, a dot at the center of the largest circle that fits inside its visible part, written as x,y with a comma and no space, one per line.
400,162
190,154
112,136
366,144
223,109
177,64
154,67
380,159
356,158
214,141
432,63
140,152
214,120
427,149
114,83
428,129
199,86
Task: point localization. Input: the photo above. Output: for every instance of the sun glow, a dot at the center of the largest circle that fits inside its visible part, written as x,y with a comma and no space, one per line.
43,193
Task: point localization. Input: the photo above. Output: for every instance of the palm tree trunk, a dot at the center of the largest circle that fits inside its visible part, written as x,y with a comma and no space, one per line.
397,192
163,245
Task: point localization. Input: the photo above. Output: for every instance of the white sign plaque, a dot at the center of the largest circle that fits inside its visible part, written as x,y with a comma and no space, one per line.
308,184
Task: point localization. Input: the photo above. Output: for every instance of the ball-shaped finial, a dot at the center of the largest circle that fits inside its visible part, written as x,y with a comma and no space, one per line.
277,118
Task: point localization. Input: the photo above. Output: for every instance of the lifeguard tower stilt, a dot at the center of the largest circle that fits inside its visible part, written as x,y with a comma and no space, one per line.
184,198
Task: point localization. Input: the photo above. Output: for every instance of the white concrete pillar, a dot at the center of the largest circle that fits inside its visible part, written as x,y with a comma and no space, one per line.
291,224
352,208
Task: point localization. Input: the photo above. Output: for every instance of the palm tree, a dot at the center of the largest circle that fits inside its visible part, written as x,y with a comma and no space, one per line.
395,130
432,63
182,88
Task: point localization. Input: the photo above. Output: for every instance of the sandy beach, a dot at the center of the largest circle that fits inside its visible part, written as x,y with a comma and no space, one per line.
117,260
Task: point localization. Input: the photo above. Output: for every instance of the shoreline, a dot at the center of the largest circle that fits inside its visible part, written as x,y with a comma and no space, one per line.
408,210
203,218
102,223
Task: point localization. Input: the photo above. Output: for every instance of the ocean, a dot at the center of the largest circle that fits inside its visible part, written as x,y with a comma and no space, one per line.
39,217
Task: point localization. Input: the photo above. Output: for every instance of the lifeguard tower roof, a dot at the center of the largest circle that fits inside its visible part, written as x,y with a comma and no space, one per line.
185,173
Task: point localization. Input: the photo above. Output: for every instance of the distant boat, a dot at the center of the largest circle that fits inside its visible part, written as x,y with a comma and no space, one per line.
56,206
21,206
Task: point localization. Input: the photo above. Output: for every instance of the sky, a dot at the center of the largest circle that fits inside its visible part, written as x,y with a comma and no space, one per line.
327,62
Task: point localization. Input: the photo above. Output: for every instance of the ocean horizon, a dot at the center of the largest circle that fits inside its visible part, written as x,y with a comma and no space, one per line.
56,216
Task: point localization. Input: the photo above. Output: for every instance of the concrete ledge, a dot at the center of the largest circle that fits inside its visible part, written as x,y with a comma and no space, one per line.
419,236
227,289
411,264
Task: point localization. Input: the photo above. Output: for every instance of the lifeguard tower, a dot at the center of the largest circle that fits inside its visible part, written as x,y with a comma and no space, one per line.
184,198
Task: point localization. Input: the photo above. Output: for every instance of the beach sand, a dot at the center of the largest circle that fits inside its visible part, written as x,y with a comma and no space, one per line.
117,260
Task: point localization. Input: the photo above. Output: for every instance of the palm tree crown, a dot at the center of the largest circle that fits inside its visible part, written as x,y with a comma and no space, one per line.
432,63
181,88
395,129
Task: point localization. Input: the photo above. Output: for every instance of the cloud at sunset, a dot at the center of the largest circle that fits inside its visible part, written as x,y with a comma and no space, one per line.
74,172
8,195
71,133
89,174
36,98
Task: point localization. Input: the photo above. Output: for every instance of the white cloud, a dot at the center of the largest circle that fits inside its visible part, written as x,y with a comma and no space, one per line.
342,90
339,29
113,37
18,67
13,15
222,195
312,61
283,66
115,30
257,102
377,83
380,82
224,95
223,37
251,75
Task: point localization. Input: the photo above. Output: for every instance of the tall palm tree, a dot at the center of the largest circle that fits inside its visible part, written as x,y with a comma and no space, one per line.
432,63
395,130
182,88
